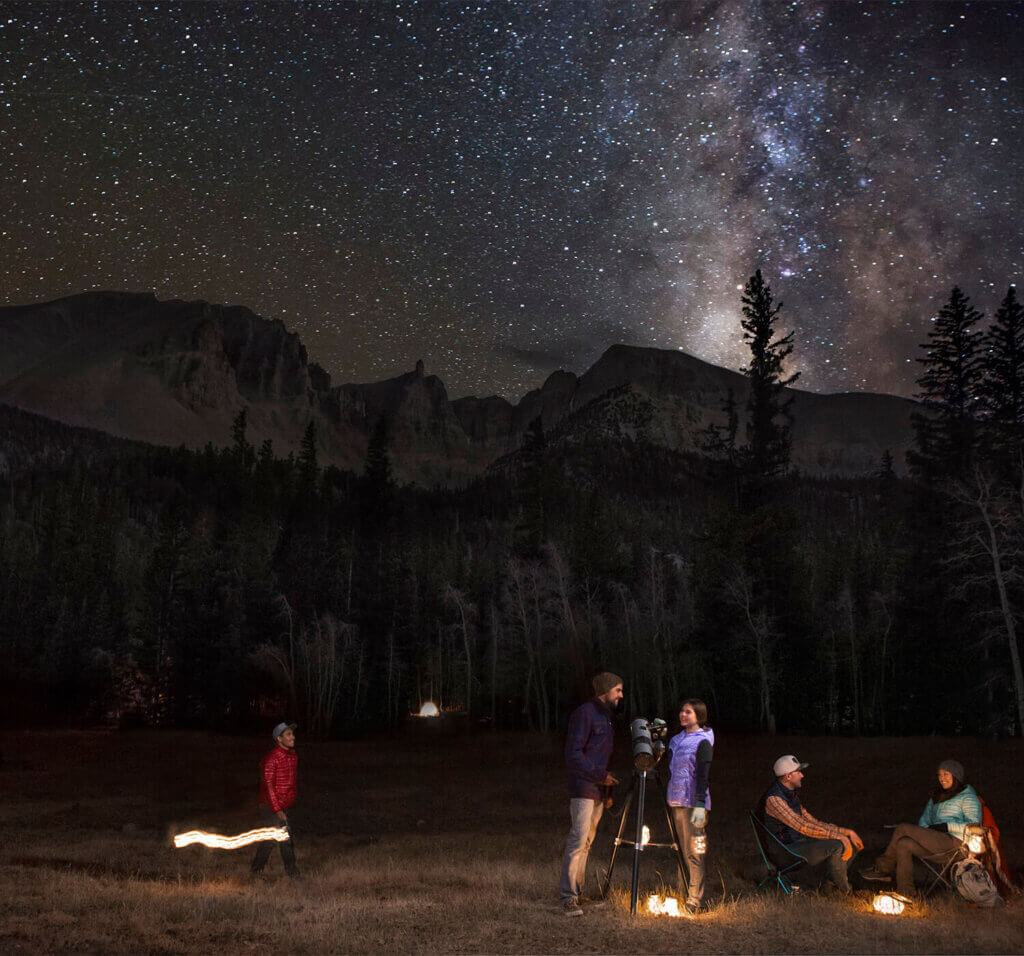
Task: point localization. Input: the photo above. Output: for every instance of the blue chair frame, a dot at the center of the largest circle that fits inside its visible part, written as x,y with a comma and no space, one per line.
776,872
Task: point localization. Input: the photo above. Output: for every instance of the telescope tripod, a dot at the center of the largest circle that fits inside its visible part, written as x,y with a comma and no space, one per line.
637,792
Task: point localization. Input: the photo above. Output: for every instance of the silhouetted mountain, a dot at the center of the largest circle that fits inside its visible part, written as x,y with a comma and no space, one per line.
179,372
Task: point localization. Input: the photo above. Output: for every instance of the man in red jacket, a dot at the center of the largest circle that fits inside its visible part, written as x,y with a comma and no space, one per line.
279,774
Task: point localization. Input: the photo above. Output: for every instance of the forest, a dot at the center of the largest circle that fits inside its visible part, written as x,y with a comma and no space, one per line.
227,587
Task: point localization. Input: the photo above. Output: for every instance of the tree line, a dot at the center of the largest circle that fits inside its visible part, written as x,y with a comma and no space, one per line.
227,587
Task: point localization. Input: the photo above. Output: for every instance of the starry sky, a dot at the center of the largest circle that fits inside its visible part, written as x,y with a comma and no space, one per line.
507,188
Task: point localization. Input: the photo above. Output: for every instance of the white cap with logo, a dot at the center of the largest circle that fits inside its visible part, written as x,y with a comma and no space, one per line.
787,764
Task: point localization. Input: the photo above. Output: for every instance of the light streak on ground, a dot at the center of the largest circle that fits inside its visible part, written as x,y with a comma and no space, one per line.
217,842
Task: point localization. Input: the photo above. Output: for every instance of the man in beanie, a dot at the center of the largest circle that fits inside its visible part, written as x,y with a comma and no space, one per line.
279,776
952,808
588,749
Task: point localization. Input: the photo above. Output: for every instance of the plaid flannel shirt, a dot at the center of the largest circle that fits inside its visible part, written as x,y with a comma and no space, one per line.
804,824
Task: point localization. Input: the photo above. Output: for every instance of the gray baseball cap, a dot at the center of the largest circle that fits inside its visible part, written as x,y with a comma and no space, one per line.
787,764
281,728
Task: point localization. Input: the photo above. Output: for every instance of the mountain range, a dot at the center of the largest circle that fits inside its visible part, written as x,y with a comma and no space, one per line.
174,372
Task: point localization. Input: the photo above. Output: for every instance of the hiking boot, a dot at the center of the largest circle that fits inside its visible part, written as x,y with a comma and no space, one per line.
593,902
572,908
874,876
690,908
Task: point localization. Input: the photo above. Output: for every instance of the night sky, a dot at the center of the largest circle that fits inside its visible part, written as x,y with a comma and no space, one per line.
505,189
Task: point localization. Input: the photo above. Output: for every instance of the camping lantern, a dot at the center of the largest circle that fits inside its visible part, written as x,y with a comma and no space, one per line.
699,842
663,906
974,837
890,904
429,709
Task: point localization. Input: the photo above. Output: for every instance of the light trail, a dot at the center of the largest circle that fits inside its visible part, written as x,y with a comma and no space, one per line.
217,842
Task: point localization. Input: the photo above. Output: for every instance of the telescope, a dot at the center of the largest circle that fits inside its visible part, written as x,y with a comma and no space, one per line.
648,742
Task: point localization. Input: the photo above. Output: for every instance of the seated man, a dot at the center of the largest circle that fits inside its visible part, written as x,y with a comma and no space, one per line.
953,806
802,833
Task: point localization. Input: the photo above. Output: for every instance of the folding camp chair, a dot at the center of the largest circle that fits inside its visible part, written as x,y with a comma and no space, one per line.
778,858
940,868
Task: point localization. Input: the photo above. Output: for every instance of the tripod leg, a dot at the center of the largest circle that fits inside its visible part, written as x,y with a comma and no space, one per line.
638,842
618,838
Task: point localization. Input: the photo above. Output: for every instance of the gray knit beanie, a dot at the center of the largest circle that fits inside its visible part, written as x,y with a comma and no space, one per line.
605,681
955,768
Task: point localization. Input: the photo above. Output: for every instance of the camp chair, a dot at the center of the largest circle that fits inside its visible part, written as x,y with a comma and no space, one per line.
940,868
772,850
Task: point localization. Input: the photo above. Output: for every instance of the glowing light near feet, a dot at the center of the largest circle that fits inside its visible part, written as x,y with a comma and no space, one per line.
890,904
663,906
217,842
429,709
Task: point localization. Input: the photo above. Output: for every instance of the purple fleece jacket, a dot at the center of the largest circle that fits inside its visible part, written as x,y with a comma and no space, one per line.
588,748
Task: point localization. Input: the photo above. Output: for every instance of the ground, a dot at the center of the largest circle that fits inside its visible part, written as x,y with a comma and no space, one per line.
430,842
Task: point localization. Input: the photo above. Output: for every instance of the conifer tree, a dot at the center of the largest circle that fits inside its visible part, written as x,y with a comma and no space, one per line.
377,469
243,450
769,424
1003,365
308,468
950,385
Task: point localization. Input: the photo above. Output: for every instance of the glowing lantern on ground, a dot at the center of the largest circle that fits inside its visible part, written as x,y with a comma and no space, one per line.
217,842
646,838
890,904
663,906
429,709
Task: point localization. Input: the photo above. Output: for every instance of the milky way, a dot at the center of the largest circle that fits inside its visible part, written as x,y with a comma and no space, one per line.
506,189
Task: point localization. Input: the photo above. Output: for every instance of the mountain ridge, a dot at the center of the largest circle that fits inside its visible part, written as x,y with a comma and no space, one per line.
175,372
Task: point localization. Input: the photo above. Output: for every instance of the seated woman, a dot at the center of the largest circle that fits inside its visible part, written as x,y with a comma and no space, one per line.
953,806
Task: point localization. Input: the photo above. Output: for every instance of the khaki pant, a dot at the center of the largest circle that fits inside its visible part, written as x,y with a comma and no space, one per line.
910,841
686,831
585,815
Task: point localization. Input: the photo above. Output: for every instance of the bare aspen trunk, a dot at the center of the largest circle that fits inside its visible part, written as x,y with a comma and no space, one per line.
494,667
1007,612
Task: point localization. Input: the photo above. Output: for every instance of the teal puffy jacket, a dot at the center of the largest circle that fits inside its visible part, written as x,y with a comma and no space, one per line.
956,812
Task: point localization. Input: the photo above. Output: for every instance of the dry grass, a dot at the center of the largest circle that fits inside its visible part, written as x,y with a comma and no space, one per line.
436,844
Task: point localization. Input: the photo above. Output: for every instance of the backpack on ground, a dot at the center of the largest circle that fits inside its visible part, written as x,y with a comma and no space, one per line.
973,883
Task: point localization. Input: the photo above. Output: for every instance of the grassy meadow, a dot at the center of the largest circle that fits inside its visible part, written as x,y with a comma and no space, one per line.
429,842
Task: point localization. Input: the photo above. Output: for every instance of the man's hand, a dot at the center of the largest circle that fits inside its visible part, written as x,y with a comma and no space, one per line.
698,816
847,847
609,780
281,815
854,839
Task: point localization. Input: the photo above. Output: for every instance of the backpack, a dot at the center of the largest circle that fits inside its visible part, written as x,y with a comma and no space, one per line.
973,883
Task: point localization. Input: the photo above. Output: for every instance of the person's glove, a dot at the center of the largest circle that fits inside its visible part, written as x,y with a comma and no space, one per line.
698,816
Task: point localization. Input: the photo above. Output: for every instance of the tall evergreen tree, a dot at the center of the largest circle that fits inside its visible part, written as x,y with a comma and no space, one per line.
377,469
1003,364
308,468
769,424
950,385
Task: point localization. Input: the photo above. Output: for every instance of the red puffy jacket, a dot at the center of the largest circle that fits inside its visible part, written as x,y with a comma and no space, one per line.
279,778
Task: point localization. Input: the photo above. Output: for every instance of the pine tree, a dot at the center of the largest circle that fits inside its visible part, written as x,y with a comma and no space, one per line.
1003,366
308,468
946,431
243,450
769,424
377,469
377,486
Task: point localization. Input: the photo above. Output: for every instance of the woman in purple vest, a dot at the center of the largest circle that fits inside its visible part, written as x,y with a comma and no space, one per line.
691,751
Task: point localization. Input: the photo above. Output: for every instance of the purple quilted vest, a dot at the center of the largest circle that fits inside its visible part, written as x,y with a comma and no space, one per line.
683,781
